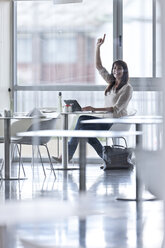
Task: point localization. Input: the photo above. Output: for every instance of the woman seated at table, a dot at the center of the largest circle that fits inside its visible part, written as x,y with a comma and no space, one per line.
118,93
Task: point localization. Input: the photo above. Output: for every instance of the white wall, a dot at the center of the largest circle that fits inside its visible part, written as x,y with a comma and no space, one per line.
5,59
5,53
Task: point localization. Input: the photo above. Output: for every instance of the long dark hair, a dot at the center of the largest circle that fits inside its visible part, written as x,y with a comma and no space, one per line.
124,79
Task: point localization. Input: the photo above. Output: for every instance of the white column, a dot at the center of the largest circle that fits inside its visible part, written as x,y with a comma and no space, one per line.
6,53
5,57
162,7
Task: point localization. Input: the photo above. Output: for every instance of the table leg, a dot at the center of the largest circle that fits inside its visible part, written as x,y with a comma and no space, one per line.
65,147
3,236
138,180
138,192
7,147
65,144
139,184
82,164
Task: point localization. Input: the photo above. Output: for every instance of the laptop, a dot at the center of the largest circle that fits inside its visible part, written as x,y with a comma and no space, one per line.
75,105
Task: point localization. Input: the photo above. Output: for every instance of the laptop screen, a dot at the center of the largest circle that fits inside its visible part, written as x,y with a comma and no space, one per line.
75,105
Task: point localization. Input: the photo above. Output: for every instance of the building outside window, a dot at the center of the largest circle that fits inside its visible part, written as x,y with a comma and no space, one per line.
63,45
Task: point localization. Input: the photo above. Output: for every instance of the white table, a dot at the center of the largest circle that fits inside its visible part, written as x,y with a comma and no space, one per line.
48,210
7,141
138,122
83,135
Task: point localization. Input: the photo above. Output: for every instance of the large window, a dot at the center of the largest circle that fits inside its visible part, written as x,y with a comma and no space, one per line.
158,58
56,43
137,37
141,37
55,51
60,50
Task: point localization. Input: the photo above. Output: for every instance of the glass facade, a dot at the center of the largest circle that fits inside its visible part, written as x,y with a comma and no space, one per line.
137,37
56,46
59,41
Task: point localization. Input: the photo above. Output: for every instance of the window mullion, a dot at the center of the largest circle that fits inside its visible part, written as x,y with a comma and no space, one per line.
14,42
154,38
117,29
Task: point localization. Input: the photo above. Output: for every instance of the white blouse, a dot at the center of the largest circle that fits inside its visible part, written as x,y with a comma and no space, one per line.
118,100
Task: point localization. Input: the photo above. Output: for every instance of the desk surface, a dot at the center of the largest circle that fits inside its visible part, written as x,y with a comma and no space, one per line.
143,117
46,116
78,133
127,120
84,113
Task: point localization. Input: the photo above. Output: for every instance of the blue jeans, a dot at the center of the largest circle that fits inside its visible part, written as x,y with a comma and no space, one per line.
94,142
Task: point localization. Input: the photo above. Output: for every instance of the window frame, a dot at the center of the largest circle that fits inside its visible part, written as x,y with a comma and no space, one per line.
151,83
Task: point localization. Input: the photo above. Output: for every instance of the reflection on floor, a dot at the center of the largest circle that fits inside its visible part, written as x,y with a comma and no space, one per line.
110,224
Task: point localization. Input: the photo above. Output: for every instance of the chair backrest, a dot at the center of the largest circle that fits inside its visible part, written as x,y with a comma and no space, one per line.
37,126
132,112
123,127
120,127
20,126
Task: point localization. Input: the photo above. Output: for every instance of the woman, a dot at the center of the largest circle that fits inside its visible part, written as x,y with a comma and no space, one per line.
117,96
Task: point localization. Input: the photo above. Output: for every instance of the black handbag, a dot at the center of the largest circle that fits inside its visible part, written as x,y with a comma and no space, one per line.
117,157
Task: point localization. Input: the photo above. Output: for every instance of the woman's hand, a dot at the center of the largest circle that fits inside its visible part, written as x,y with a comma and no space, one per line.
100,41
88,108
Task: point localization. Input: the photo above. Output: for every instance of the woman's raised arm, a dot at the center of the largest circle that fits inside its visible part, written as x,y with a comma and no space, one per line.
100,41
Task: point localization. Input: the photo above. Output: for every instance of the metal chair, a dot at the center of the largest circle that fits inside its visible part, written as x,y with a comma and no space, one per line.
16,126
121,127
37,141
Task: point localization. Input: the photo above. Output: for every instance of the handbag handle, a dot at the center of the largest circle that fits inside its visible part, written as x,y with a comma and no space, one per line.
126,146
124,141
118,146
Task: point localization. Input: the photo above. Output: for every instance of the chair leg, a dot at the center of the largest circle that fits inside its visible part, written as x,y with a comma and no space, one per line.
12,156
19,153
41,161
20,156
33,157
51,165
32,162
2,165
13,146
20,159
58,146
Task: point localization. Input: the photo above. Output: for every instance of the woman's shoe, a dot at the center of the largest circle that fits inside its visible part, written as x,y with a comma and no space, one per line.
57,159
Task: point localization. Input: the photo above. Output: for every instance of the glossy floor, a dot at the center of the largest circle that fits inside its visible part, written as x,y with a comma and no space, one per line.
100,220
